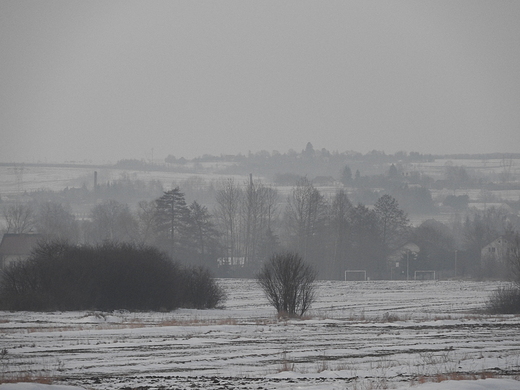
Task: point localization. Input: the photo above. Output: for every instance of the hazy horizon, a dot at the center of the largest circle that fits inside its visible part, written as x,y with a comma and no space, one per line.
103,81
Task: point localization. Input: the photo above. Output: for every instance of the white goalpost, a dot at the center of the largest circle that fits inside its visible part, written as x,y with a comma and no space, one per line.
355,274
424,275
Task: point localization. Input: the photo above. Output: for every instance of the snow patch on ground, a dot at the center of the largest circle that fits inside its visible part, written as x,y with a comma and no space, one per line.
480,384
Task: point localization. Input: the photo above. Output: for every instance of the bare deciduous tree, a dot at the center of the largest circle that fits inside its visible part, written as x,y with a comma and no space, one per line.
257,208
228,198
513,254
305,215
146,220
55,221
506,299
113,221
393,221
19,218
203,232
288,283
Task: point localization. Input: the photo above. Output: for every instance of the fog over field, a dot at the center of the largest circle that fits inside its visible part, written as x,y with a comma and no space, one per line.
101,81
377,142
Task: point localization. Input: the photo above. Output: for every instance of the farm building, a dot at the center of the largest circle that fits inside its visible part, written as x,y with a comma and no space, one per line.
497,251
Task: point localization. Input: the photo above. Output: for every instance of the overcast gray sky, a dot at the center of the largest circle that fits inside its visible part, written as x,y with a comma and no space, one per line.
108,80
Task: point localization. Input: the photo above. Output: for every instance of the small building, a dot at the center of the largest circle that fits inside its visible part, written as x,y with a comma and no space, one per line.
231,261
400,260
17,247
400,253
497,251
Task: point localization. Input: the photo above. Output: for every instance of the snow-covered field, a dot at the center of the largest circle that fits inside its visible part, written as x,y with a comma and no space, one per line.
358,335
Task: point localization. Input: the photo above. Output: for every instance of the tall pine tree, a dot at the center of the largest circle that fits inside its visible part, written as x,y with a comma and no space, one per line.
172,218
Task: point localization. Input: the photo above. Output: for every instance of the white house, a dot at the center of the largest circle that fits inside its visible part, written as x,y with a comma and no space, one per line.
231,261
497,251
400,253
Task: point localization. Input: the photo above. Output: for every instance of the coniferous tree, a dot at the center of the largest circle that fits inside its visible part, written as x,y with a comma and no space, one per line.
436,244
346,176
204,235
171,221
340,235
367,247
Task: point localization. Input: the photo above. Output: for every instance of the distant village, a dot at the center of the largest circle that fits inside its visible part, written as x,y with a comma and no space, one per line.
353,216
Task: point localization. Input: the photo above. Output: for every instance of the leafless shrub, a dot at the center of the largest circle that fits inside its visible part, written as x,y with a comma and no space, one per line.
390,317
513,254
286,364
200,291
505,300
288,283
21,371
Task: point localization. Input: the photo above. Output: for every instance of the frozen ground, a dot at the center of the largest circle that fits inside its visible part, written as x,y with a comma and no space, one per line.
359,335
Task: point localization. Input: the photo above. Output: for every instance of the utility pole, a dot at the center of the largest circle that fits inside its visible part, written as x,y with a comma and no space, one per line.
407,265
455,262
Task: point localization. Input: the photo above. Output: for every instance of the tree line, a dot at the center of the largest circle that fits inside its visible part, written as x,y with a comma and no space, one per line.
246,222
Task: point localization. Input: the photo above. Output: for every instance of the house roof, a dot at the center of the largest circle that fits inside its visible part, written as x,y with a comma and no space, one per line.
18,244
500,240
407,247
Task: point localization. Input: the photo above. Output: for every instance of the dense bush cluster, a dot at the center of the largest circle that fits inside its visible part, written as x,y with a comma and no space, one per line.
109,276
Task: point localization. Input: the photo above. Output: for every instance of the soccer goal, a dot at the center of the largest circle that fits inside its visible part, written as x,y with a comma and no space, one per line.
357,274
424,275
